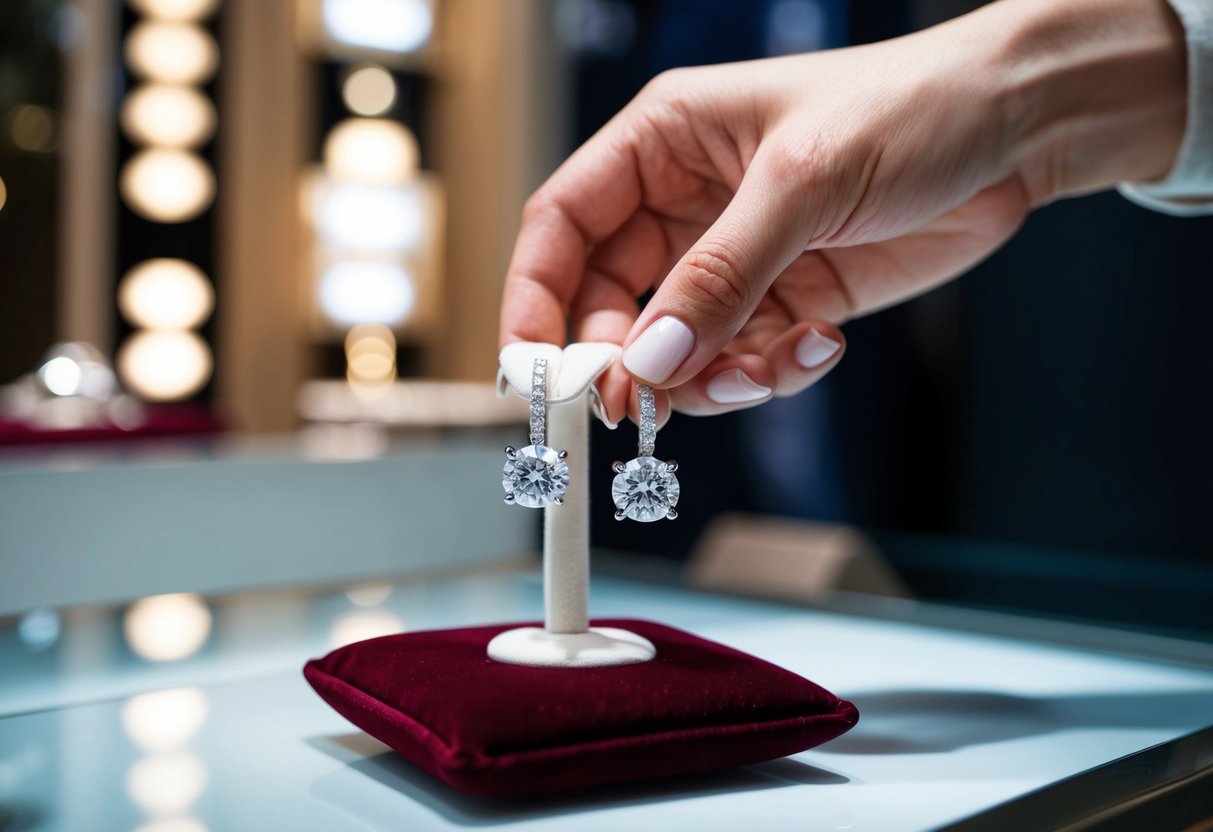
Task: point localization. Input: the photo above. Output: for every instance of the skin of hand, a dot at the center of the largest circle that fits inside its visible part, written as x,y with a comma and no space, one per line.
764,203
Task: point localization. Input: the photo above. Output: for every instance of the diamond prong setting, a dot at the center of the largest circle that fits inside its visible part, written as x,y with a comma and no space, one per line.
645,488
536,476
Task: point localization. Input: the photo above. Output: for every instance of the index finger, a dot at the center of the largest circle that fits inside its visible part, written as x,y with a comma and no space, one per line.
585,201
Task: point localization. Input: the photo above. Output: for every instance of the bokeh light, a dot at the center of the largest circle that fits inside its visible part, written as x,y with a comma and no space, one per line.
370,355
367,218
164,365
3,193
62,376
164,719
357,291
363,624
176,10
167,185
166,784
387,25
371,151
165,293
32,128
369,90
164,628
171,53
38,629
168,115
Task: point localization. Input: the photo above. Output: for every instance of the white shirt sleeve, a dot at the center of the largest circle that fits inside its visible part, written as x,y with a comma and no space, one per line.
1188,189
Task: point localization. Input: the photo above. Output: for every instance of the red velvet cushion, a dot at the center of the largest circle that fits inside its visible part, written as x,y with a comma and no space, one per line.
499,729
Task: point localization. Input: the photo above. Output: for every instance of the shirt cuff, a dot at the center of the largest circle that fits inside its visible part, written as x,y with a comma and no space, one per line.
1187,190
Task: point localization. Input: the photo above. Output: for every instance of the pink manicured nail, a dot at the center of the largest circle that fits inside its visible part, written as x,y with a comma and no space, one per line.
815,349
735,387
659,350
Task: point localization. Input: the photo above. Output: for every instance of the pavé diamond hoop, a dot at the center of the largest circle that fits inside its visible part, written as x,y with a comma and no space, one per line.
536,476
645,489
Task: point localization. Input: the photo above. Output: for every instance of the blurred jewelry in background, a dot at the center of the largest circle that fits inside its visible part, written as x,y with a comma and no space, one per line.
74,387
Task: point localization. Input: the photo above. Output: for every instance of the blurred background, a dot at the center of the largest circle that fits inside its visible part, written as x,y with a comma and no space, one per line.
225,222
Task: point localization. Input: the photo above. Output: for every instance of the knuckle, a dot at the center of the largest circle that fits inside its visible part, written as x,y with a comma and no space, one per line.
714,282
663,83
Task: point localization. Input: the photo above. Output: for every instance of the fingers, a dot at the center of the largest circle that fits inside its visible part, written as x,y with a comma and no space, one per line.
589,198
718,283
795,360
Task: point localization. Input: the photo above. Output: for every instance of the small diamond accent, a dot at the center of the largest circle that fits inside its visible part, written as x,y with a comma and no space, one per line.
645,489
536,476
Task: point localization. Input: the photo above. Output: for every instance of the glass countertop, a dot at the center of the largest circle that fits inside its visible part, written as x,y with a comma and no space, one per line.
191,714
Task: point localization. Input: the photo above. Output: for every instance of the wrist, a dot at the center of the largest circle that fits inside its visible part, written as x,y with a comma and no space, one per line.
1092,92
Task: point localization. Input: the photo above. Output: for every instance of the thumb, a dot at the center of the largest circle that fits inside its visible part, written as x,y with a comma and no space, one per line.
718,283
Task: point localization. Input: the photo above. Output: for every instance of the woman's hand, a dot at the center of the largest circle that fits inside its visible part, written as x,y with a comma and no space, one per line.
766,202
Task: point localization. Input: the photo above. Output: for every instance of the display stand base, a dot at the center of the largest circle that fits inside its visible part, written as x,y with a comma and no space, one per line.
600,647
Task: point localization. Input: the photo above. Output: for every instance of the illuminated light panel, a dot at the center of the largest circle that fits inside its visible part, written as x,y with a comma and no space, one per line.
3,194
369,91
371,219
388,25
371,151
164,365
166,784
165,293
168,115
171,53
181,11
164,719
167,185
357,291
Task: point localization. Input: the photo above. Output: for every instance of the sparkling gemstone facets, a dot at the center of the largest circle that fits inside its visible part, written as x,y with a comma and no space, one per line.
645,489
535,476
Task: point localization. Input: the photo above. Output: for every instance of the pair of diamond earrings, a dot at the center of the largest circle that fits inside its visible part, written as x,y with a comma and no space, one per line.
536,476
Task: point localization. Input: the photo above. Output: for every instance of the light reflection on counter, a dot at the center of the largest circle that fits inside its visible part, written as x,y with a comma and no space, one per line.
166,783
164,719
186,824
363,624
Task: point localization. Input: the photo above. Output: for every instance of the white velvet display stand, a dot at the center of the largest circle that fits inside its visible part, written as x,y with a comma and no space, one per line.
566,639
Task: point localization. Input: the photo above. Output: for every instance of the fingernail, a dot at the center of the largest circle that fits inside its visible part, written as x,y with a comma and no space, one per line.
659,350
815,349
600,413
734,387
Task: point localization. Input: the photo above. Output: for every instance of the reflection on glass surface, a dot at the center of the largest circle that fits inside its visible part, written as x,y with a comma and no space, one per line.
369,595
167,627
364,624
166,784
186,824
164,719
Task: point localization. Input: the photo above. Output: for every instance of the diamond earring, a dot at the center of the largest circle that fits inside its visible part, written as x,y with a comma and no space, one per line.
536,476
645,489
